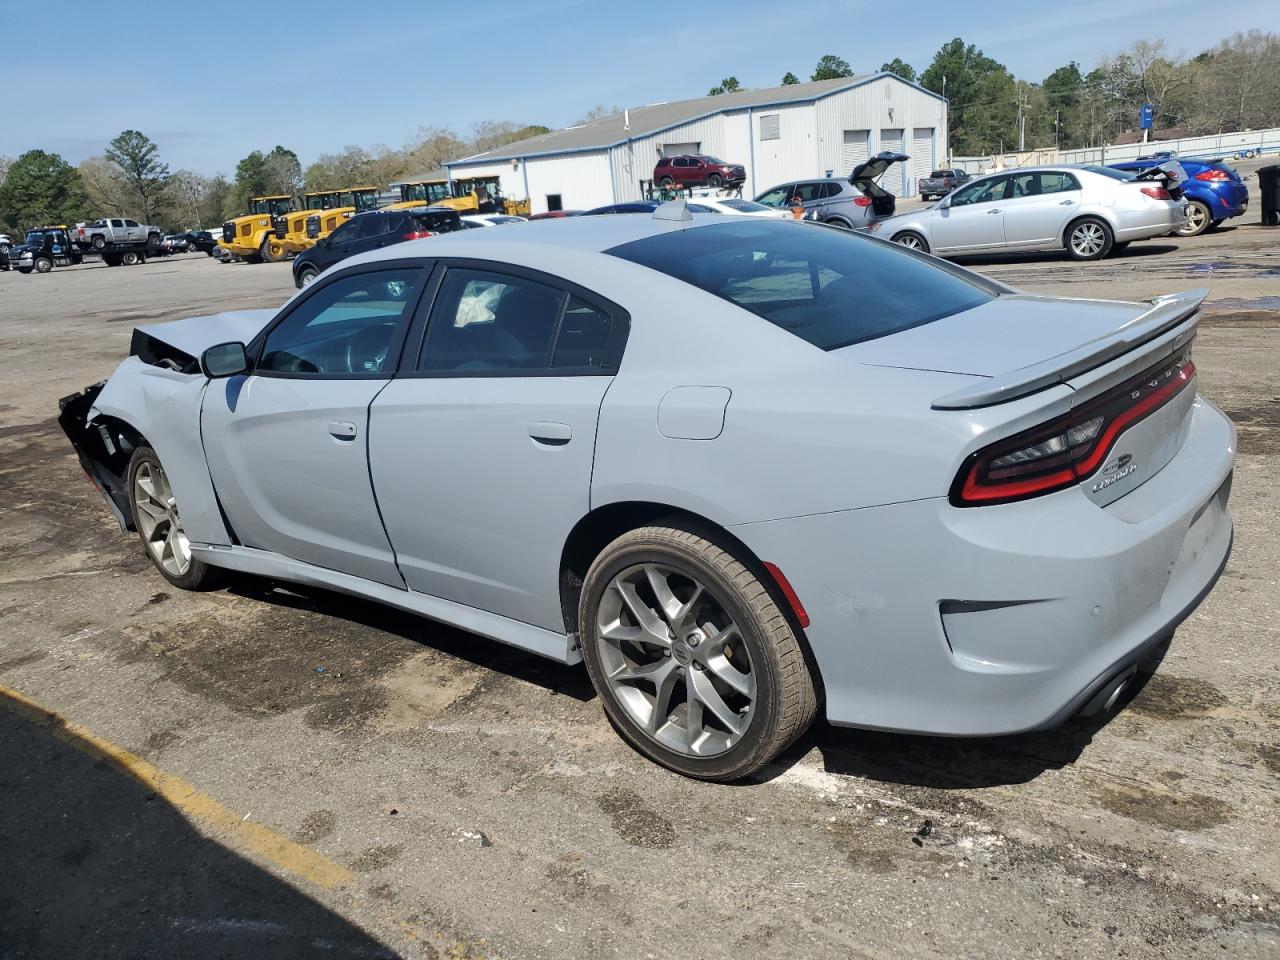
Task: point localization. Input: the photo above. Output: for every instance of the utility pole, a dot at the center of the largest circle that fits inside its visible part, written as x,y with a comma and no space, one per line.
1022,119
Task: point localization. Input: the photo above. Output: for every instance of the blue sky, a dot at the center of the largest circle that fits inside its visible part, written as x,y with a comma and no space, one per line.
375,72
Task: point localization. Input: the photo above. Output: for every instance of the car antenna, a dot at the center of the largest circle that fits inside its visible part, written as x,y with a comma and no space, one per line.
673,210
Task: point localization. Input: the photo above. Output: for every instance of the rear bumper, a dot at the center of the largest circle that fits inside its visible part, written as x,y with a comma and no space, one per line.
1157,222
933,619
1229,200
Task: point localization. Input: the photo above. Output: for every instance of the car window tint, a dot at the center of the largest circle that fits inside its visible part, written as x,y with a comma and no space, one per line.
372,225
702,208
983,191
346,232
485,321
775,197
831,288
584,336
344,327
117,223
813,190
1057,181
131,223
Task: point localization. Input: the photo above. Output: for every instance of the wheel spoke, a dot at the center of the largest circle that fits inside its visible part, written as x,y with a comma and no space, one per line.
668,604
687,608
711,700
649,621
655,672
744,683
661,710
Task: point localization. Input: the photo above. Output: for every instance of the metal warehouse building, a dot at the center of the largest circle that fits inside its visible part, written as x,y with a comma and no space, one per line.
778,134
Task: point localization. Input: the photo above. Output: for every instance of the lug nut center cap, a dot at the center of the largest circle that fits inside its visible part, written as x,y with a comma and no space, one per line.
681,653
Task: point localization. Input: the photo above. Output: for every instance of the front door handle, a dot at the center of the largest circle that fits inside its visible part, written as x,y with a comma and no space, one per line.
1067,203
342,429
989,212
550,433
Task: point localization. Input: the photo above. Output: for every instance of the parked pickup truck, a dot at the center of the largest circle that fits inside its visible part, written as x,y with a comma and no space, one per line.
97,236
941,182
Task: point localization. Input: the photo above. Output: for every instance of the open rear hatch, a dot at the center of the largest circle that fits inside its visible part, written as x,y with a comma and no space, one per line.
1168,173
1129,365
865,175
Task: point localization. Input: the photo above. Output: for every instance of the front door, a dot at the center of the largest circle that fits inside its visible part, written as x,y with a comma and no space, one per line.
287,445
1038,207
972,219
482,453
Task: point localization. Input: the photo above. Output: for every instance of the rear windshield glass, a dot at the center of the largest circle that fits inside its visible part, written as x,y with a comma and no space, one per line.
828,286
1112,173
940,173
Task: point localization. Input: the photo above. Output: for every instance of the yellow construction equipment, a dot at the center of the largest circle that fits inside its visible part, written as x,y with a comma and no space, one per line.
252,237
426,192
466,195
323,211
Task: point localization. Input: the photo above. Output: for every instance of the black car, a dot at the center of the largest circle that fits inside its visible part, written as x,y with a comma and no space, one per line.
201,240
369,231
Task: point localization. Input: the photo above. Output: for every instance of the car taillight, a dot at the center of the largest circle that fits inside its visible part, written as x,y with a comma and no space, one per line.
416,235
1065,451
862,201
1213,175
1156,193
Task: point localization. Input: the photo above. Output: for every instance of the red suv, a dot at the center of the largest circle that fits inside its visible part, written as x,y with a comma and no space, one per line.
698,171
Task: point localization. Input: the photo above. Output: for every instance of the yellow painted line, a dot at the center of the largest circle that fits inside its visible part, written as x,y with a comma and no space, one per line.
183,796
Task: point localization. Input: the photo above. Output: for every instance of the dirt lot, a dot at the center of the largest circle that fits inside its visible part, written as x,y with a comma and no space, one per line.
258,772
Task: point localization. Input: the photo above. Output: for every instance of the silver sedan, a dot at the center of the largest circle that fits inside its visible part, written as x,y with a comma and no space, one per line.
746,469
1086,210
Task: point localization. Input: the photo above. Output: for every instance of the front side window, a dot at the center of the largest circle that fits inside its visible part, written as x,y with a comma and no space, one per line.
346,327
829,287
984,191
483,321
777,197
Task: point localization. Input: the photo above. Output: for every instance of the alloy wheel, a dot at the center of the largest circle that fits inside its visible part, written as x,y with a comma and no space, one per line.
1088,239
1197,220
158,520
911,242
676,660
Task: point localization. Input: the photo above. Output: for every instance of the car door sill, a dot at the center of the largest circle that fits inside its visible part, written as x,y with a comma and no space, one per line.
548,643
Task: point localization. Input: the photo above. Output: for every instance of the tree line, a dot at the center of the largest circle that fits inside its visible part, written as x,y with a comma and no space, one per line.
129,178
1232,86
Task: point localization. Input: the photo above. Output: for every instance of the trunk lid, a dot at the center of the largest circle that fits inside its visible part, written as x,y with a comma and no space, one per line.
873,169
1123,361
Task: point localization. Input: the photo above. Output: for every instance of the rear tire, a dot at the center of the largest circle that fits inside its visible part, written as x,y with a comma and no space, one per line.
128,258
111,259
153,242
912,240
1089,238
723,703
97,243
1198,220
159,525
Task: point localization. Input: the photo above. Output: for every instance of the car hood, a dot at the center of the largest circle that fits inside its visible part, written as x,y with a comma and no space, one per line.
1007,333
194,335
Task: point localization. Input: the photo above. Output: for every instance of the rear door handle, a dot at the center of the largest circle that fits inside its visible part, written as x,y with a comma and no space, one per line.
342,429
551,433
1067,203
989,212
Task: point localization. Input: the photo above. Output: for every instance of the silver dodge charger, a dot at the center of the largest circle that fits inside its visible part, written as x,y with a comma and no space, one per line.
743,469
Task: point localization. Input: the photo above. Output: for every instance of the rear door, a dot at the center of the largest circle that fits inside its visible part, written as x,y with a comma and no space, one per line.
287,444
972,219
133,231
481,449
1038,206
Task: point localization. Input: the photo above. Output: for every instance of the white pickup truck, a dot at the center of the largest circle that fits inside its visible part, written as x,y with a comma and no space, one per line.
113,231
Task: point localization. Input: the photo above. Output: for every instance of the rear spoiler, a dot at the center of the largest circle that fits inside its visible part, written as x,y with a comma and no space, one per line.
1165,314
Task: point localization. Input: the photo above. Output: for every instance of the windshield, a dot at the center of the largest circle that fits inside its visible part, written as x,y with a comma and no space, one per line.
1109,172
35,237
365,200
424,192
320,201
830,287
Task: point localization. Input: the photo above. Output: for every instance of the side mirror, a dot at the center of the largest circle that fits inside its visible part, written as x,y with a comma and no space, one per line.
224,360
944,203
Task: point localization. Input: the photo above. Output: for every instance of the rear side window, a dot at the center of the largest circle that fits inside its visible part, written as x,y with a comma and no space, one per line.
829,287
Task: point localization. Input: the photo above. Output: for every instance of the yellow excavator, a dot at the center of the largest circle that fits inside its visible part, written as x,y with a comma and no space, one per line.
252,237
323,211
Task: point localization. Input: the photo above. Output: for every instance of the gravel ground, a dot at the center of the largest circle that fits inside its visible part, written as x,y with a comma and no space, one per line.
472,800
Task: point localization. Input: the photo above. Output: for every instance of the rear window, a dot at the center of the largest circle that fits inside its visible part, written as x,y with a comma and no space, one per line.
1112,173
438,222
827,286
940,173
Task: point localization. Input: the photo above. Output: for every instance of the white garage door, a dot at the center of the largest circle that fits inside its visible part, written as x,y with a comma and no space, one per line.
857,147
681,149
921,154
895,177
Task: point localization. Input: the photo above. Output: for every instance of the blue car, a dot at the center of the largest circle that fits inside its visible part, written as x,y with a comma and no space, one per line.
1215,191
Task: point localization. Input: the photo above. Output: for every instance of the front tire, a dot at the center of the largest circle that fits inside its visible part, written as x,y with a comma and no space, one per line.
912,240
307,276
159,525
1089,238
1198,219
43,265
715,181
696,665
